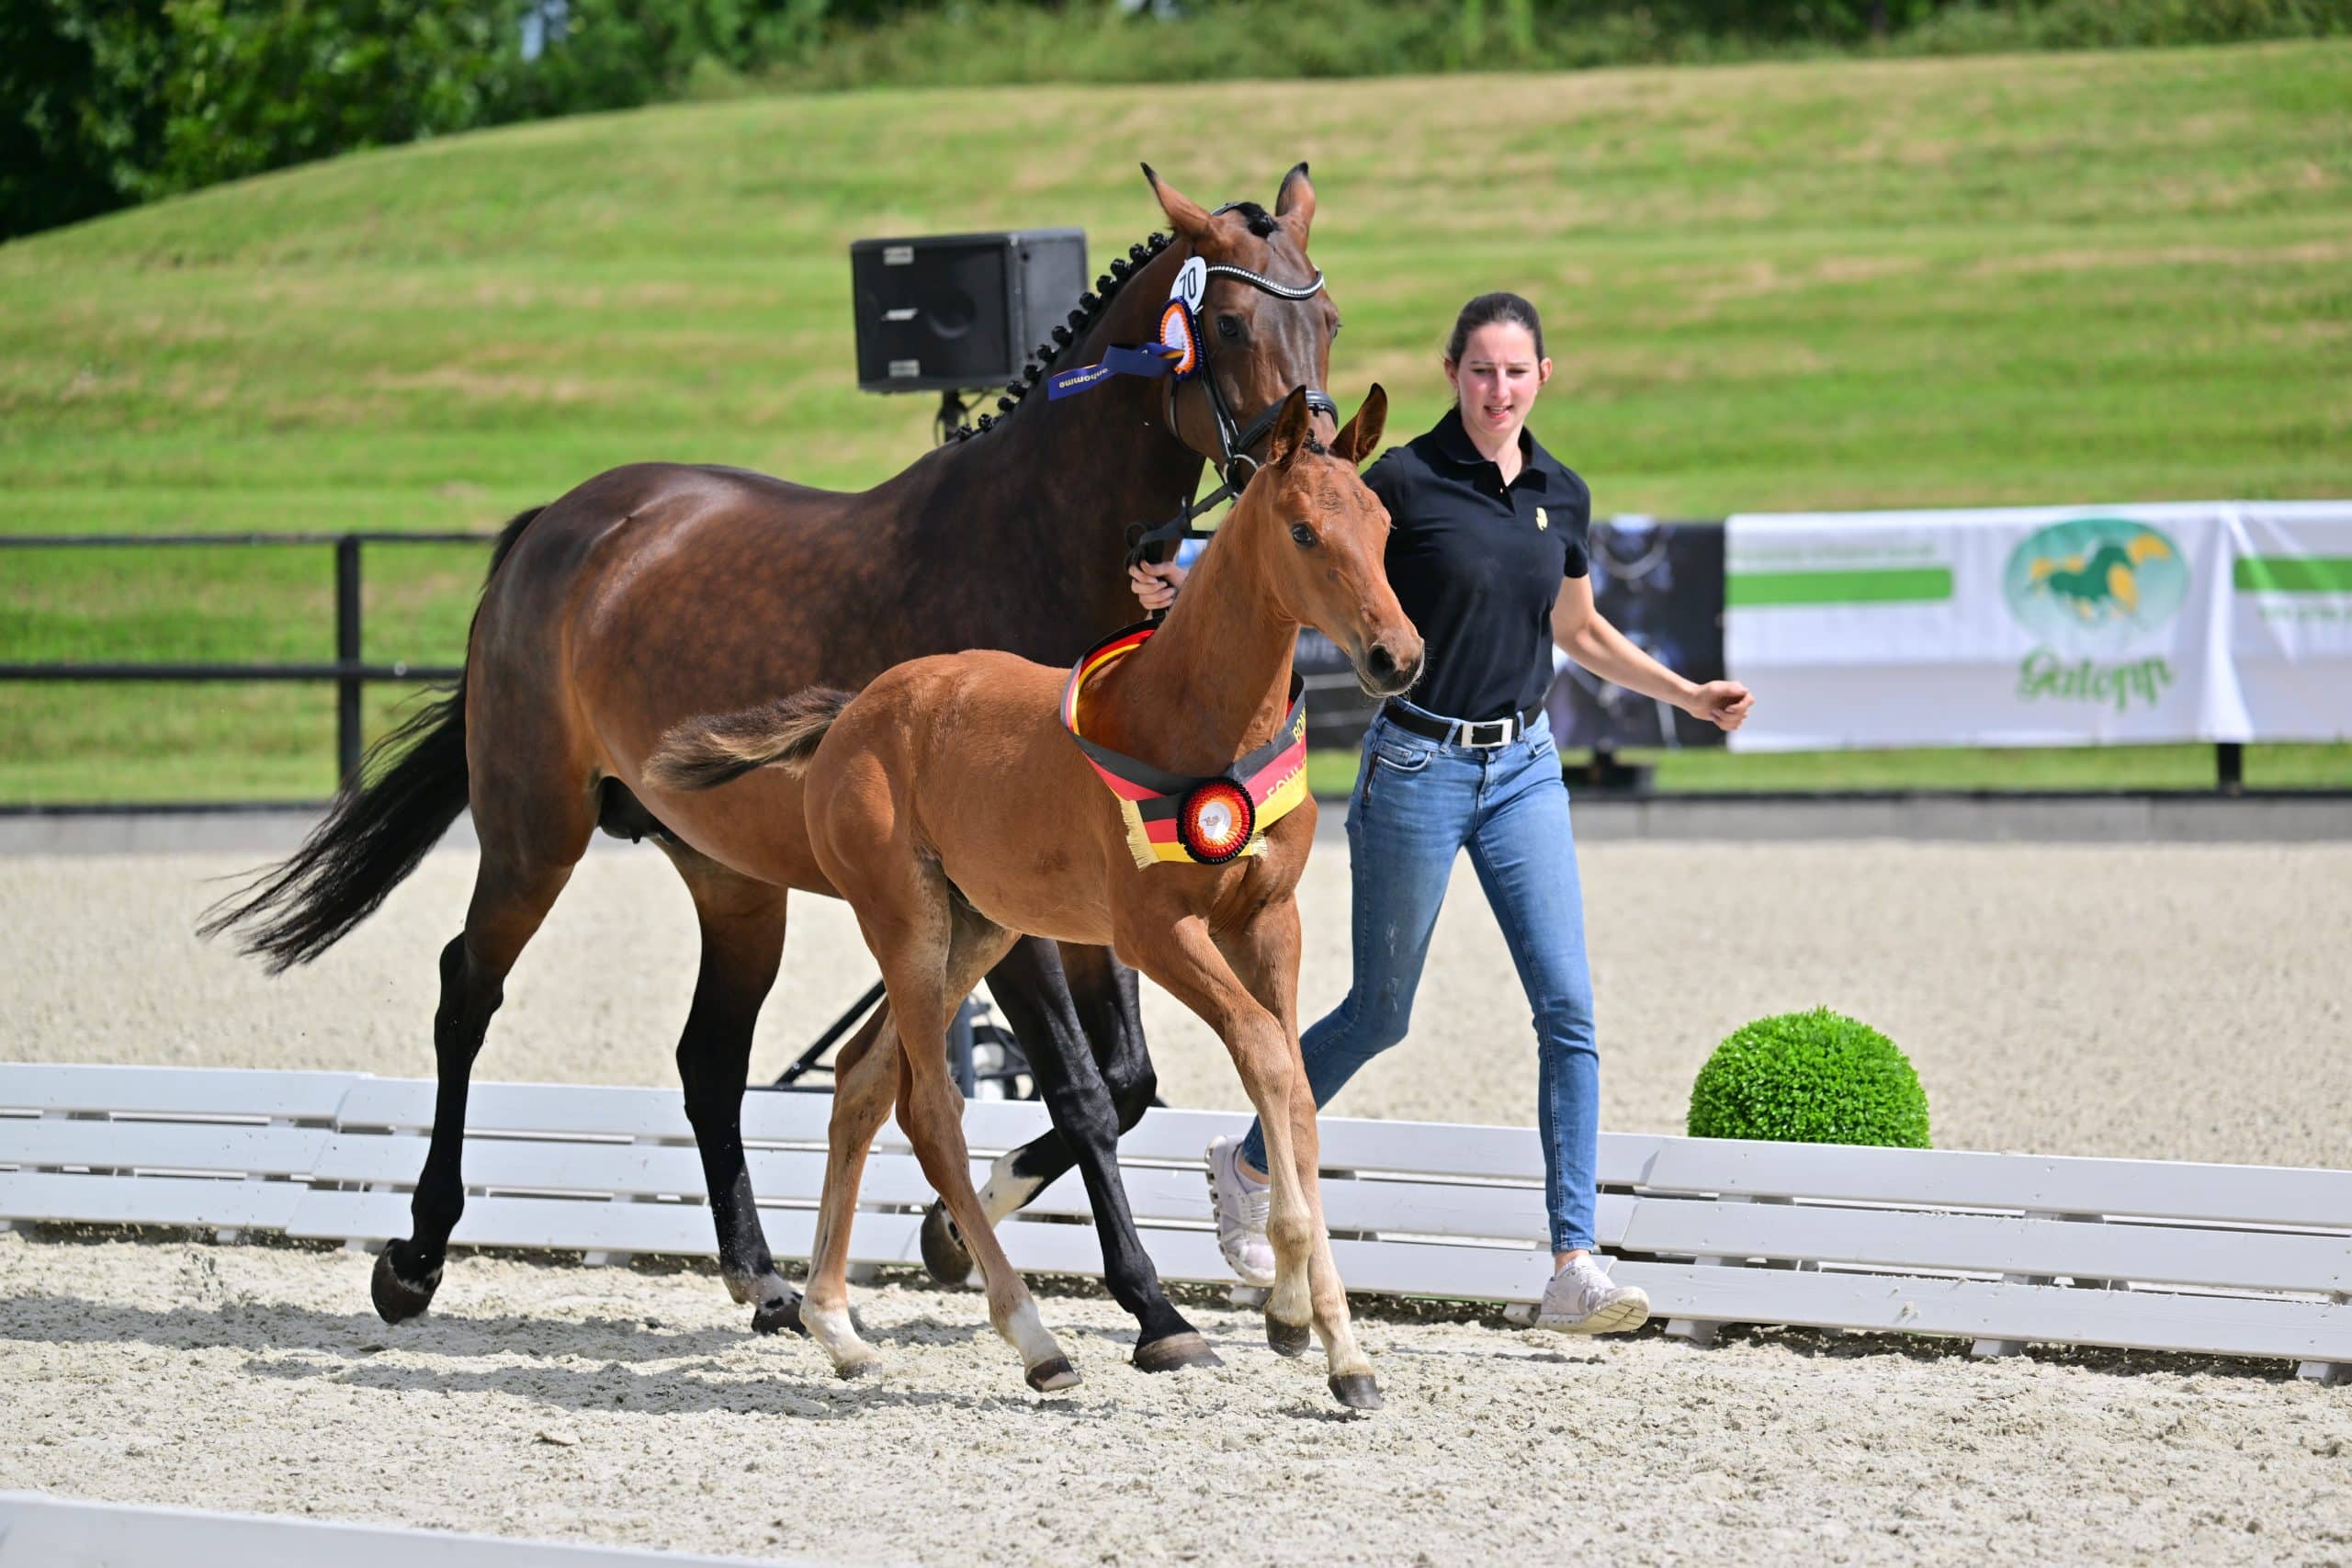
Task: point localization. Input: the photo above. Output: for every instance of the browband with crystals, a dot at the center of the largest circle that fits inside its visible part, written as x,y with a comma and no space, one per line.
1206,821
1278,291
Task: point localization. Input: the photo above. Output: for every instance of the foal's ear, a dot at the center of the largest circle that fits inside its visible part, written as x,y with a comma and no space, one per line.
1362,437
1292,428
1296,204
1191,219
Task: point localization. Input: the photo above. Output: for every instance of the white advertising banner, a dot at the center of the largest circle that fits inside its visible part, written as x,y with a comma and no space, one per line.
2042,625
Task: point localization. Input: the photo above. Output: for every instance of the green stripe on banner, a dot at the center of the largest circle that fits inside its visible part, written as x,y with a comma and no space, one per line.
2294,574
1890,585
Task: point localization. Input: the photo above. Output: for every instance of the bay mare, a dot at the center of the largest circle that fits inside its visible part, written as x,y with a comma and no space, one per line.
947,802
656,592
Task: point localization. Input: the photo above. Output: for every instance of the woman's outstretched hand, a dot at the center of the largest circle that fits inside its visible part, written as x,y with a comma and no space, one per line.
1722,704
1156,582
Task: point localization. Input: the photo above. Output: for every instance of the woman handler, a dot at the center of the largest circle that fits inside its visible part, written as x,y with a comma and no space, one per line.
1487,556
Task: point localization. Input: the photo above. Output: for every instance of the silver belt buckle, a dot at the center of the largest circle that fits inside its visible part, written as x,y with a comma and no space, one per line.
1474,733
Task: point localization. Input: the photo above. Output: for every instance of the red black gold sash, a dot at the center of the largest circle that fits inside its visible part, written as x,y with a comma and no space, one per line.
1205,820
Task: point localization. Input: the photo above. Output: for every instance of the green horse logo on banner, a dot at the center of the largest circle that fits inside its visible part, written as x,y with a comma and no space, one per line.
2095,582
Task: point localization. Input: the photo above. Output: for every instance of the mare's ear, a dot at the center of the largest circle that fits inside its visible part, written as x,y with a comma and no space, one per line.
1191,219
1362,437
1292,428
1296,204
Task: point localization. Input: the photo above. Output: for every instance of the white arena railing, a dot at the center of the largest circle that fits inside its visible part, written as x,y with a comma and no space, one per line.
2003,1249
38,1531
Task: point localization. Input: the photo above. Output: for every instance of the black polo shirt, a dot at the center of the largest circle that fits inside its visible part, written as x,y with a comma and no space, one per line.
1478,564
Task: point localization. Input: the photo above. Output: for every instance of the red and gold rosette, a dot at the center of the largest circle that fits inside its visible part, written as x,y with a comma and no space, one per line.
1216,821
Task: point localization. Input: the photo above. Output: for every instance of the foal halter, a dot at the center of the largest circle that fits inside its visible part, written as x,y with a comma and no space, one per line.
1175,817
1179,355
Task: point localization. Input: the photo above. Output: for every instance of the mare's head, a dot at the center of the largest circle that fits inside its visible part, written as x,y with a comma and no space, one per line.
1265,324
1318,538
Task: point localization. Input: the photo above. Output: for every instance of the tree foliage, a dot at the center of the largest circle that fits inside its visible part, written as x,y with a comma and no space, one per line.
107,102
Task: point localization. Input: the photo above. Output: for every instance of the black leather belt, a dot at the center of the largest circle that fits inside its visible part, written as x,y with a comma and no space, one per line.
1481,734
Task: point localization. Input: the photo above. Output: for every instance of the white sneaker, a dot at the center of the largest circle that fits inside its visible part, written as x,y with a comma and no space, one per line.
1241,1208
1581,1300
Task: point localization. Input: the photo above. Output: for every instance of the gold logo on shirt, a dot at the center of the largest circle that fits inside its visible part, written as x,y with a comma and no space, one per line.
1542,521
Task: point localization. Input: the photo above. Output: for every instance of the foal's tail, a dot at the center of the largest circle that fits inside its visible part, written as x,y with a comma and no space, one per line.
372,836
702,752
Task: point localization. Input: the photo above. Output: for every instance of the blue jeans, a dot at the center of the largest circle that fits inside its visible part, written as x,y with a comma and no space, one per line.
1417,803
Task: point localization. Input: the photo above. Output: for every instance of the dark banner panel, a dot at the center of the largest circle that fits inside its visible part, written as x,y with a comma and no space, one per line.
1662,585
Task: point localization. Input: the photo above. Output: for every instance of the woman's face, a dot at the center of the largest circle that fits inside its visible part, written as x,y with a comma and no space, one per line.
1497,379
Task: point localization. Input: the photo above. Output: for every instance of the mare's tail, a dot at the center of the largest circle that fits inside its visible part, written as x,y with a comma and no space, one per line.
411,787
705,751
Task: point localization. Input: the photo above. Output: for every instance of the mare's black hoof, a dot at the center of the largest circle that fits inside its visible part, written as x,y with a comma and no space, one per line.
1175,1353
1356,1390
397,1299
775,1316
1287,1340
944,1252
1053,1375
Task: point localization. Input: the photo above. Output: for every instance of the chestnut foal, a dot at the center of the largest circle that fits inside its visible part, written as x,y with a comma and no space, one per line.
950,805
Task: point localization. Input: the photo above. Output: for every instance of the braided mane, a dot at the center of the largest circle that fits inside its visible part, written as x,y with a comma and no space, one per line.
1089,307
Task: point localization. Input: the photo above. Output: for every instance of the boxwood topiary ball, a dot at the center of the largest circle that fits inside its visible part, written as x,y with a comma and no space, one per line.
1810,1077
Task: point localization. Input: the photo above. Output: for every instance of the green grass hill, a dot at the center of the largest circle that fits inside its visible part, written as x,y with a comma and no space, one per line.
2062,278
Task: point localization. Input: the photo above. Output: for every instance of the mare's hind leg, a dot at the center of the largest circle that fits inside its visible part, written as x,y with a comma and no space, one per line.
742,942
1079,1022
516,885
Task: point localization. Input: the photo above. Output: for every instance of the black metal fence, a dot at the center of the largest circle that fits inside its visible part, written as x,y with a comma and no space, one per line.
1337,716
347,670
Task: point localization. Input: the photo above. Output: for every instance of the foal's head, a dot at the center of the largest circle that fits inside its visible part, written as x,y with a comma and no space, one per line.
1318,536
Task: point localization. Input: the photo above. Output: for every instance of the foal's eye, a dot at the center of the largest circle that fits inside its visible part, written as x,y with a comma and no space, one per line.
1229,328
1302,535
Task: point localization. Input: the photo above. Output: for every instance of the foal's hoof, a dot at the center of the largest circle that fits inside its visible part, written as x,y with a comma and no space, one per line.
1356,1390
782,1314
1052,1375
1175,1353
944,1252
1288,1339
397,1299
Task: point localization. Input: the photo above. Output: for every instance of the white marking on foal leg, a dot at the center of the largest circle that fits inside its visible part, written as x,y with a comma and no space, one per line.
1041,1360
831,1328
1025,1332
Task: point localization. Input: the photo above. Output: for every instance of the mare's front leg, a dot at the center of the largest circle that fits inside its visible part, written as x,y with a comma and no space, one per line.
1181,956
1264,956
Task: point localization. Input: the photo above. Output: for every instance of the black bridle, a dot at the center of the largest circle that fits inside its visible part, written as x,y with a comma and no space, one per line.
1235,441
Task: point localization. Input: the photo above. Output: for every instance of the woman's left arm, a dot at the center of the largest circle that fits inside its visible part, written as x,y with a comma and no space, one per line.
1586,637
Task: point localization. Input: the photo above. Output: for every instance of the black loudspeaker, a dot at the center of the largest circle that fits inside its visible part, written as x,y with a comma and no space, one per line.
949,312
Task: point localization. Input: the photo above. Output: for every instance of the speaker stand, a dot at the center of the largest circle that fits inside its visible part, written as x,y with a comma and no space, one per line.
952,409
